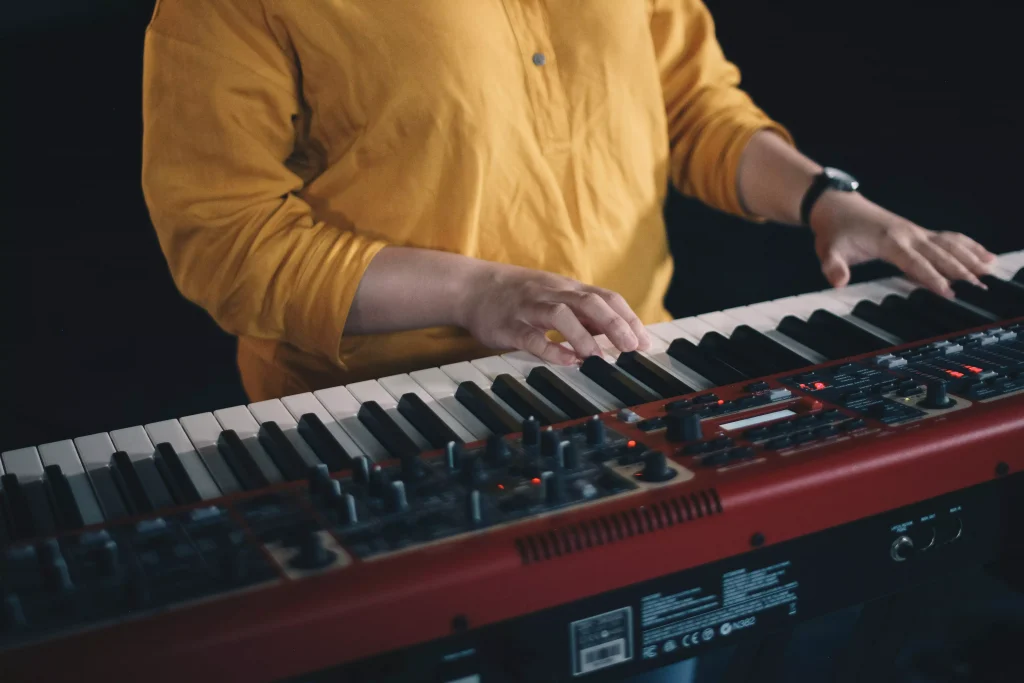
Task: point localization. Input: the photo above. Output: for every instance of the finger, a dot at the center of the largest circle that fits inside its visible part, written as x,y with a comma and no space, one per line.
528,338
947,264
835,269
917,267
590,307
560,316
970,253
621,306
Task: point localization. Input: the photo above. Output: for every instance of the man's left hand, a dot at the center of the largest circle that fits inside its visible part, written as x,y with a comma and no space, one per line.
850,229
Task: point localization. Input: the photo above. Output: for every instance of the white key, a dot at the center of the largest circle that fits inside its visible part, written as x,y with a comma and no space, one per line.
465,372
525,362
721,322
24,463
694,327
95,452
303,404
275,411
64,455
370,390
442,389
344,408
170,431
752,317
203,430
493,366
400,385
666,332
662,335
135,442
239,419
1,471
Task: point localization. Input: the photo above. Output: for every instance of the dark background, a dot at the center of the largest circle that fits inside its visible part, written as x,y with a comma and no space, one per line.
917,100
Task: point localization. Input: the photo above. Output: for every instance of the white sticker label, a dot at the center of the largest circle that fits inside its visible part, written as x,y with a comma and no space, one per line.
601,641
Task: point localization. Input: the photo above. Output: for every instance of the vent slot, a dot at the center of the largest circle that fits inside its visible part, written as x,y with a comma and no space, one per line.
607,529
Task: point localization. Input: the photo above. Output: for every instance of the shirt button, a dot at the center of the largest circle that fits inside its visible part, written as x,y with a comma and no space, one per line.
539,58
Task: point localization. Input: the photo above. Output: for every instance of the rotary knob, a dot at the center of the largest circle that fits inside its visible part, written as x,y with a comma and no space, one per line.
531,431
936,396
595,431
683,427
656,467
902,548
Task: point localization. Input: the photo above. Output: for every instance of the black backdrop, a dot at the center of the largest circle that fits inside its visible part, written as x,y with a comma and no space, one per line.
917,98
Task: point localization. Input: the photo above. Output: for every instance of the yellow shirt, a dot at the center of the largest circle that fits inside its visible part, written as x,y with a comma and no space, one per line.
287,141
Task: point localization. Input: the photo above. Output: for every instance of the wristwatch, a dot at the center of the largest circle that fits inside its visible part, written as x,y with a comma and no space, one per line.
828,179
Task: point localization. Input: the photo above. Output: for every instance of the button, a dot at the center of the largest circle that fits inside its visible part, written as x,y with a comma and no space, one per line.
539,59
822,432
777,443
802,437
779,394
757,433
677,405
721,442
697,448
910,391
757,386
706,398
856,423
832,415
741,453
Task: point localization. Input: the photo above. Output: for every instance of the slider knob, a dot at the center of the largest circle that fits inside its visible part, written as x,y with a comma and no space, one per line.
474,512
683,427
595,431
531,431
656,467
549,440
936,396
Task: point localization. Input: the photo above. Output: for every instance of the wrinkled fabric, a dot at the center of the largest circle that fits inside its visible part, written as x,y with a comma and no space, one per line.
286,143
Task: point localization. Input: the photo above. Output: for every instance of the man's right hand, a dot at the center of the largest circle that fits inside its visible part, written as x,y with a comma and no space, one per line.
502,306
513,307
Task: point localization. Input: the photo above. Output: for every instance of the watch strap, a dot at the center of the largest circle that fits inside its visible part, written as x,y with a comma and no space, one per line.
821,183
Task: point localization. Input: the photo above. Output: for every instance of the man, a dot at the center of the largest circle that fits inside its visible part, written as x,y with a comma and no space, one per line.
360,189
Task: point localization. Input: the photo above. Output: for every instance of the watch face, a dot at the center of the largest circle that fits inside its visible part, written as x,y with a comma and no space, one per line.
841,180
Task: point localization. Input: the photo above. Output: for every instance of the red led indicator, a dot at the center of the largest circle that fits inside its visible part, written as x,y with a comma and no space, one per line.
535,481
954,373
631,444
973,369
501,487
721,402
820,385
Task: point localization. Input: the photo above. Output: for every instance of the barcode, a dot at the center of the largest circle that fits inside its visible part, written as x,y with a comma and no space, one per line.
605,654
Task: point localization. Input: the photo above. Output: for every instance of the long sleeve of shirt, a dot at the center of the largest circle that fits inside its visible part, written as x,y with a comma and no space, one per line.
222,161
710,119
287,142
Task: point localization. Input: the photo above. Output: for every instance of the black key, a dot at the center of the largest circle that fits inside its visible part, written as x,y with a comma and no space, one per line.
426,421
240,460
704,363
386,430
616,383
19,510
5,527
486,409
652,374
175,475
524,401
552,387
777,356
282,451
108,492
133,488
850,335
722,348
1002,298
814,338
899,307
66,511
905,329
940,308
1019,277
323,443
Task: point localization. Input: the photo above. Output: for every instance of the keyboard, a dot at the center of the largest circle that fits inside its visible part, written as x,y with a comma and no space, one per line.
410,524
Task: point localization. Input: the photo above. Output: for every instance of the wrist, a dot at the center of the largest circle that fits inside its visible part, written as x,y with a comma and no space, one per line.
467,282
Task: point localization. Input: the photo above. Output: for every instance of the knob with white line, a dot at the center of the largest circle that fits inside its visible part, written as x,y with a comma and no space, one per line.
902,548
595,431
936,396
453,455
680,427
549,440
656,467
397,498
531,431
474,509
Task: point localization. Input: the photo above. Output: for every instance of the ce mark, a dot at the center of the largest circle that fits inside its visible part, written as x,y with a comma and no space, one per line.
691,639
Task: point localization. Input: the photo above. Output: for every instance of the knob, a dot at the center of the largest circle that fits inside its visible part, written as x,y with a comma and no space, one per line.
398,500
549,440
554,488
595,431
319,479
379,481
559,456
656,467
497,449
107,559
59,576
936,396
347,509
474,513
312,553
360,469
453,455
531,431
683,427
472,471
902,548
571,456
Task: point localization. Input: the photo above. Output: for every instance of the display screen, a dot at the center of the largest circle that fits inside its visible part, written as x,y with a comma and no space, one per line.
757,419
